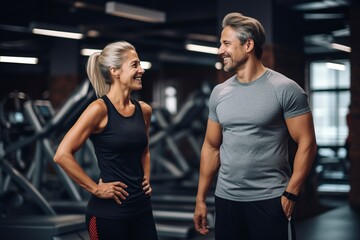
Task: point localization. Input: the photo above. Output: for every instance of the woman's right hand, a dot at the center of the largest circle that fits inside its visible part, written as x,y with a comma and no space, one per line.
115,190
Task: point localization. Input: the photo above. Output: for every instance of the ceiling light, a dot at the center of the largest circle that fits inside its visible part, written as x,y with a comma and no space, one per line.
145,65
22,60
336,66
134,12
322,16
341,47
93,33
55,31
79,4
88,51
316,5
201,48
218,65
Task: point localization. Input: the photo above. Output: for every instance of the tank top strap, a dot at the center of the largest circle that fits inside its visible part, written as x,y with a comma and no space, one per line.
134,101
138,106
107,102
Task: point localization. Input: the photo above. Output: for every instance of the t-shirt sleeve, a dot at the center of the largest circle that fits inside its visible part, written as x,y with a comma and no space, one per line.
212,105
294,100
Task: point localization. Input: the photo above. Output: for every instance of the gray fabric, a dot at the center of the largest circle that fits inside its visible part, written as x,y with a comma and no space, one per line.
254,152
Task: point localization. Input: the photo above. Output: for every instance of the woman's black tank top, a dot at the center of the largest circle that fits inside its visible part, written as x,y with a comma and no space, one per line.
119,148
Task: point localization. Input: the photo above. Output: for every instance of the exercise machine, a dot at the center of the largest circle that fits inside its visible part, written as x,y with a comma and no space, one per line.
44,222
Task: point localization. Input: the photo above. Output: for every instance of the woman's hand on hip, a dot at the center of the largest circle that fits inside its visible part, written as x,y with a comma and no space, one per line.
115,190
146,186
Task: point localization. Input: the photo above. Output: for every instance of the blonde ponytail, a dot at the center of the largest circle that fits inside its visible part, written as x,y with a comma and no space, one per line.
98,65
97,79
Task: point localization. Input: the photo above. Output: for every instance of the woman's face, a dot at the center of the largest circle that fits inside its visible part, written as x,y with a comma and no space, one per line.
131,71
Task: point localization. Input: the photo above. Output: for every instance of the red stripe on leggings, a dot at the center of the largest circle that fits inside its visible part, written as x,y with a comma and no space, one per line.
92,229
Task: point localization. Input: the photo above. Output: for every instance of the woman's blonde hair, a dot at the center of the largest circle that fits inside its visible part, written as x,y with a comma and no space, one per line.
99,64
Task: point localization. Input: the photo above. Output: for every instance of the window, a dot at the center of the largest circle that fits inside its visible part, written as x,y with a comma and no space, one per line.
330,100
171,99
165,95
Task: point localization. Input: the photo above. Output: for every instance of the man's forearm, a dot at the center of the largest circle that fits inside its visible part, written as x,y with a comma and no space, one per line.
209,165
303,162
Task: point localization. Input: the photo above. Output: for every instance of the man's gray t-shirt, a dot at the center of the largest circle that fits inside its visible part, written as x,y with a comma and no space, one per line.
254,149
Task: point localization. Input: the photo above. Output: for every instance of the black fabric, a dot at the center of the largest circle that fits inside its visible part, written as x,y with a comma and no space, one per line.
257,220
140,227
119,148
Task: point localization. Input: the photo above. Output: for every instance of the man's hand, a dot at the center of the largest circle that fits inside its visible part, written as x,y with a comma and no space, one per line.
288,206
200,218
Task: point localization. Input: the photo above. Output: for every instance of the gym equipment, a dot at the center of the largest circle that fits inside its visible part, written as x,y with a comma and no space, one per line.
63,227
46,223
45,123
175,143
169,133
46,149
14,125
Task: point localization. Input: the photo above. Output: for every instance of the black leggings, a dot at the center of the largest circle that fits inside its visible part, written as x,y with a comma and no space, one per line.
255,220
135,228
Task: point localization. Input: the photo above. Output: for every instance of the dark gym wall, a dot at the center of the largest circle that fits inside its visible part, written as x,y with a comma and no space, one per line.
355,105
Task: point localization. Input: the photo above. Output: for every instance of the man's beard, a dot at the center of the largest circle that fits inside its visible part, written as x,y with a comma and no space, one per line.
233,67
229,68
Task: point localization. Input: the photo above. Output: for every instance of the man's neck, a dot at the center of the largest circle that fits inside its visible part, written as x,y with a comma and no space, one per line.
250,72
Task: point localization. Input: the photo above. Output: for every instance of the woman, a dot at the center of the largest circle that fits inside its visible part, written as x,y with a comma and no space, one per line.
119,206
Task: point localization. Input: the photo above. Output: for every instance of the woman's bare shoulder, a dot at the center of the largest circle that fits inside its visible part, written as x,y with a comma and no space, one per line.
97,108
146,108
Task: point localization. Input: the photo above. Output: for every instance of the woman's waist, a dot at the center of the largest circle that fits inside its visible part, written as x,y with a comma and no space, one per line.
108,208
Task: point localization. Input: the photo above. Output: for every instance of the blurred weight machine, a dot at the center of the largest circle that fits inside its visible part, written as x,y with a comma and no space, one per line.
175,140
46,129
175,145
25,209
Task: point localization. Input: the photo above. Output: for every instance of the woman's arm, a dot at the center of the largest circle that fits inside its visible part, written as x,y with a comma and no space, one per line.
92,120
147,111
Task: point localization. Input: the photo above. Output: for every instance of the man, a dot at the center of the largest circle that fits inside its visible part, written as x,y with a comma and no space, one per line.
252,116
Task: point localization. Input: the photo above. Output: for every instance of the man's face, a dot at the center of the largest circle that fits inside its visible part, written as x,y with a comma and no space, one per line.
231,51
